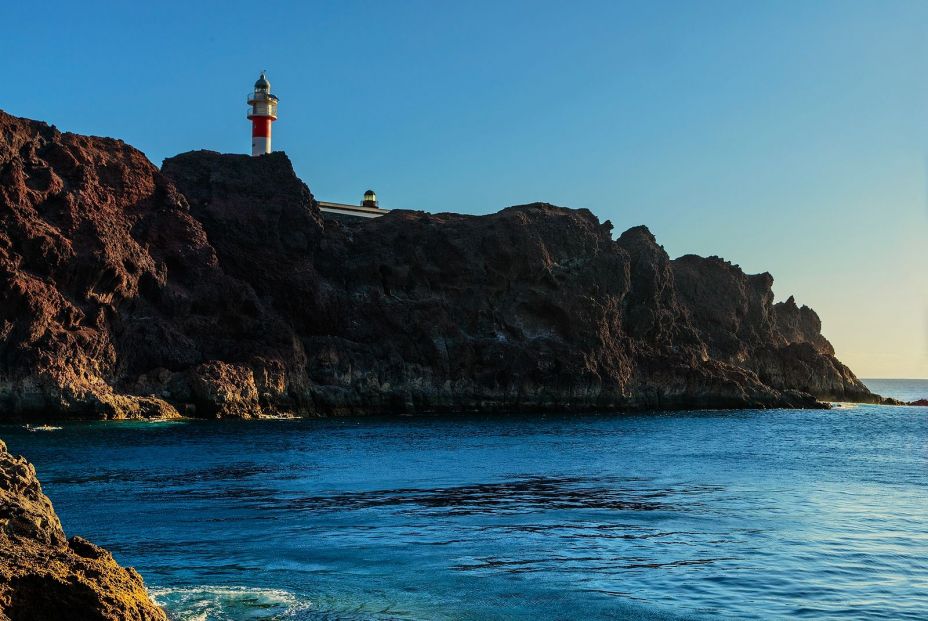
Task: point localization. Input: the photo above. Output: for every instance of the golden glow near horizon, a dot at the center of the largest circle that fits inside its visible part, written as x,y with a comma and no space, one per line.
856,252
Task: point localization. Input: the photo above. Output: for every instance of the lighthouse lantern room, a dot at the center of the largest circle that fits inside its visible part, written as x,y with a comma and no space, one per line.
263,112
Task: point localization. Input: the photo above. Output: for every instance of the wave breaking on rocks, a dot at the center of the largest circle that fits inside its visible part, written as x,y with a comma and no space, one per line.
44,575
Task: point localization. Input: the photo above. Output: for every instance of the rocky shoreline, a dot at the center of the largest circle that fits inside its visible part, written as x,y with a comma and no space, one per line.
44,575
213,287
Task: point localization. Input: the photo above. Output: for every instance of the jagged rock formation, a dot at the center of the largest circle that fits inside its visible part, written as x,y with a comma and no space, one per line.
44,575
782,343
214,288
105,278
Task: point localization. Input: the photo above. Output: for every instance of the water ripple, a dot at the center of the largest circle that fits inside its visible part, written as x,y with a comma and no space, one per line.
745,514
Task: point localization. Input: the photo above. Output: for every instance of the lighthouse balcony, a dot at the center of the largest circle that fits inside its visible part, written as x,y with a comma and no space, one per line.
254,97
263,108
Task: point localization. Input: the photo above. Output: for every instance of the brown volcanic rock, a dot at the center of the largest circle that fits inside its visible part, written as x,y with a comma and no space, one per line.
532,308
782,343
450,312
44,575
259,217
105,280
732,311
214,288
800,325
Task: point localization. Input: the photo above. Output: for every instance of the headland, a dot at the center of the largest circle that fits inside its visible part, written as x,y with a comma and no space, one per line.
216,287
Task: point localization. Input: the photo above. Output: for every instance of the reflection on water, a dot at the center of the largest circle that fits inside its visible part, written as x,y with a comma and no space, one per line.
688,515
515,496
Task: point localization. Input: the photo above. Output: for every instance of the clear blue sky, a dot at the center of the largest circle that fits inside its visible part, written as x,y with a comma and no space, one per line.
786,136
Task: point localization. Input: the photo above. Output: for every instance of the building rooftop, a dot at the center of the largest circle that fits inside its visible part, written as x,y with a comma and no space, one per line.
351,210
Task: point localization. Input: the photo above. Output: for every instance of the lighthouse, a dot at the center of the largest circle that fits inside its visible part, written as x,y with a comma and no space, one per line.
263,112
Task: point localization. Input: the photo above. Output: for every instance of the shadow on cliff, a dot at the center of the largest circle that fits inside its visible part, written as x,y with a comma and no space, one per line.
214,288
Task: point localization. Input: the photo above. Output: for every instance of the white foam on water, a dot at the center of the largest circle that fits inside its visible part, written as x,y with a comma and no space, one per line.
41,428
228,603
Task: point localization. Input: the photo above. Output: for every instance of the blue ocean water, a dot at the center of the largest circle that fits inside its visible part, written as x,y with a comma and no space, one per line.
739,514
903,389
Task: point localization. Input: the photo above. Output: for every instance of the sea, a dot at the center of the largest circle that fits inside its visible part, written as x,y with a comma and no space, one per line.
745,514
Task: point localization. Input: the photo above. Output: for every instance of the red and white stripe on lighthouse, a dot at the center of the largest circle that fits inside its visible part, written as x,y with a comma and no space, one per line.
263,112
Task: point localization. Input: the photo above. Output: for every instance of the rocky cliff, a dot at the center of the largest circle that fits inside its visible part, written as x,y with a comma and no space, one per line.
214,287
45,576
782,343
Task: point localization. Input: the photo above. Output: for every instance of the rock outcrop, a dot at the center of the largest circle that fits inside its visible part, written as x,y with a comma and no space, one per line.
214,287
781,343
107,281
45,576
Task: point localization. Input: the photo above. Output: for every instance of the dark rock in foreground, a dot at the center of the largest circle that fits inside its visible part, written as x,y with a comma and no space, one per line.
45,576
214,288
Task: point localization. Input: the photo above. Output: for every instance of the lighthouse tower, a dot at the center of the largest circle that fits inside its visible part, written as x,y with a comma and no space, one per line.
263,112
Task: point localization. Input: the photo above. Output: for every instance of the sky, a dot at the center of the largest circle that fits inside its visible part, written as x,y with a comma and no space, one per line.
785,136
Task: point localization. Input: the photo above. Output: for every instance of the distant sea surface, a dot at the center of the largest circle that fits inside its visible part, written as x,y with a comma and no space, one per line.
684,515
903,389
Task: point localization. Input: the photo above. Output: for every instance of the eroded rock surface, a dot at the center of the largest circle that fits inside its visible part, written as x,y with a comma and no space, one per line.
214,287
44,576
782,343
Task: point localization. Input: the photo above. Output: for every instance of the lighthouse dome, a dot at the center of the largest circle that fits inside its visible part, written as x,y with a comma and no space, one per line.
262,84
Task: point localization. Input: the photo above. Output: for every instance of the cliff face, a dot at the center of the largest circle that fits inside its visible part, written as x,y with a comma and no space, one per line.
44,575
107,282
214,288
782,343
